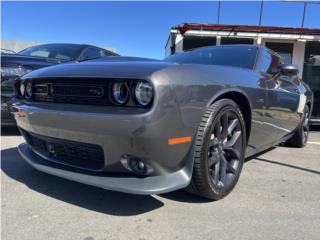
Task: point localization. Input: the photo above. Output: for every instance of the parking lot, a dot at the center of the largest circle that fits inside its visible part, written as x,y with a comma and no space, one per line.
277,197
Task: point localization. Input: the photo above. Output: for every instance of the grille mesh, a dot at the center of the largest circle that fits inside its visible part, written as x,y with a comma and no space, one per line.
76,93
76,154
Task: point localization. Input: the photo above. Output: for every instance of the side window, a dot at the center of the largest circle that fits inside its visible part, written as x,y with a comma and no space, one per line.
270,63
266,62
91,53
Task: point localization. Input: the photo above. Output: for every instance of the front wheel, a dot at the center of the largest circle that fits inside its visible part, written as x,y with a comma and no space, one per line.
219,151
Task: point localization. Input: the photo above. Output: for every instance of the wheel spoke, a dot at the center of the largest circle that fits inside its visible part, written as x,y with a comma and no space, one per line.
223,168
224,123
231,168
213,160
217,129
233,139
234,153
216,172
232,125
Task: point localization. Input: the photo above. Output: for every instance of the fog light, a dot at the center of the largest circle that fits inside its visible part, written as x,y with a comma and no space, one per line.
135,165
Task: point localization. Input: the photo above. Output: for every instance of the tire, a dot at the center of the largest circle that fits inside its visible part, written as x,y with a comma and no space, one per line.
301,135
220,146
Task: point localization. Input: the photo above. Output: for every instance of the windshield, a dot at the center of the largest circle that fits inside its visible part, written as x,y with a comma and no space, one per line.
63,52
236,56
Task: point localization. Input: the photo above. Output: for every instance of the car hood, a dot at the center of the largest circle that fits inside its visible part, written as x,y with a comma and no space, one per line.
109,67
27,61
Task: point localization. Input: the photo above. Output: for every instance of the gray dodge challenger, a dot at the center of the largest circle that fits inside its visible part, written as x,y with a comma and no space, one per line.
146,126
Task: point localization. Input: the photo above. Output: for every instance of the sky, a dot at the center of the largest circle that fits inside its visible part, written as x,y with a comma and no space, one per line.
137,28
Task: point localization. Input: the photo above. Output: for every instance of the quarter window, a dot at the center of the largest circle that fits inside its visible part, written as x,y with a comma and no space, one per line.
106,53
266,62
270,63
91,53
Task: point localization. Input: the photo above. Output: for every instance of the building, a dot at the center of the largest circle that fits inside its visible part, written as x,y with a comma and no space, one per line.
299,46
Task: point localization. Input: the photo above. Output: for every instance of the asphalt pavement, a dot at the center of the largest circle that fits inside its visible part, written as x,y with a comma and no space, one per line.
277,197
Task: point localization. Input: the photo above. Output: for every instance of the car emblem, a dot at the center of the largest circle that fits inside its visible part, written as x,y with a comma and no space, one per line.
97,92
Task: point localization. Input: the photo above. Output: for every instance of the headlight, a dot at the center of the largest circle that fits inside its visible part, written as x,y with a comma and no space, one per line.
7,85
13,72
29,90
120,92
144,93
22,89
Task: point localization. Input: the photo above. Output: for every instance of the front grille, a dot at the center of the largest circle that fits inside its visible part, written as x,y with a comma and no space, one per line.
92,92
76,154
82,91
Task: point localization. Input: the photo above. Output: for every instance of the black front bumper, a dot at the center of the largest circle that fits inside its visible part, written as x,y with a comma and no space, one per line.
127,184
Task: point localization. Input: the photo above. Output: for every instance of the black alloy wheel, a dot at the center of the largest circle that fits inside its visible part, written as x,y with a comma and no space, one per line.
219,151
224,149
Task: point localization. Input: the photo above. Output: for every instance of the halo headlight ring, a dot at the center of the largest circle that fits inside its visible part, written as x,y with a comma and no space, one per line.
120,92
143,93
28,90
22,89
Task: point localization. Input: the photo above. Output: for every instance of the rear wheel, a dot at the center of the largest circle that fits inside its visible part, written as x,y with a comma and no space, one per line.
219,151
301,135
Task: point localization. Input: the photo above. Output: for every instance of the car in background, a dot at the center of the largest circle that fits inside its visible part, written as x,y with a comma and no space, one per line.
7,51
14,65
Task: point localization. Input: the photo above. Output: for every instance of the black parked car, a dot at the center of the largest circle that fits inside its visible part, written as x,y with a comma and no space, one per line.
16,65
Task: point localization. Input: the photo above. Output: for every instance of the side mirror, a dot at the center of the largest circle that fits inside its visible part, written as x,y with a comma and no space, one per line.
289,69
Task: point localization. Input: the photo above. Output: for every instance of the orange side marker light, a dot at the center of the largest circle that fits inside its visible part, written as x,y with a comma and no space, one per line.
173,141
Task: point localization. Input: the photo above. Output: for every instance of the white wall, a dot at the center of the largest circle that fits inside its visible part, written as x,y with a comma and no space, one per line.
298,55
179,43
